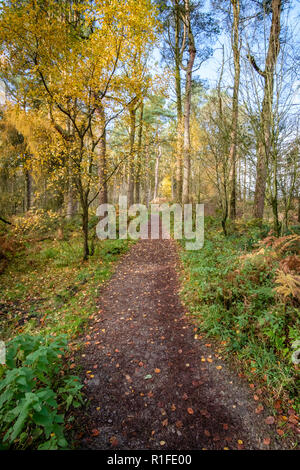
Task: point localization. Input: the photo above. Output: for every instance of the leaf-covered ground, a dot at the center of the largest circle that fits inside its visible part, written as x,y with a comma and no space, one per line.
151,382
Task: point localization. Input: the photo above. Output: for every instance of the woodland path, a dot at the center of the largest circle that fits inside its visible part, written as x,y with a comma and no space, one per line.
148,385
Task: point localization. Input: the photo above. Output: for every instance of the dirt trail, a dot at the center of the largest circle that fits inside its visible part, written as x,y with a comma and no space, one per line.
151,386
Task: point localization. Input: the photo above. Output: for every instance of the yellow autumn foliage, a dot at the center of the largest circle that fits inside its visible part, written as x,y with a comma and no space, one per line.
288,285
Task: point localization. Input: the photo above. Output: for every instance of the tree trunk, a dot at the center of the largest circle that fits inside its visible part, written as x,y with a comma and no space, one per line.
102,170
139,158
85,229
235,41
84,203
266,112
29,190
71,203
131,175
187,107
178,169
158,157
276,223
245,187
147,189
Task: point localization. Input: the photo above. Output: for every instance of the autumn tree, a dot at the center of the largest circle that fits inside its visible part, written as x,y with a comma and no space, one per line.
189,32
72,55
267,74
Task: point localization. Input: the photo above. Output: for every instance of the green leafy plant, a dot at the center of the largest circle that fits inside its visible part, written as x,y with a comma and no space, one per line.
230,290
35,393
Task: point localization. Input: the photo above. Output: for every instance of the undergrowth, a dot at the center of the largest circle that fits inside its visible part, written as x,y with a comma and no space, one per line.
244,291
47,294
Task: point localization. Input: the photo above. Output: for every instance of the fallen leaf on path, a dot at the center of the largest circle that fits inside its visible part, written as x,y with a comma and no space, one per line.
293,419
190,411
283,418
259,409
218,367
270,420
95,432
165,422
162,443
207,433
157,371
280,432
173,407
267,441
114,441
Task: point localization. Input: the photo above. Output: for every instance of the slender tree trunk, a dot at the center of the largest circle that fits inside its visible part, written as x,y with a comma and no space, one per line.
139,157
298,208
85,229
172,188
158,157
179,143
266,112
102,170
235,42
187,107
84,203
131,175
70,202
147,188
245,187
29,190
276,223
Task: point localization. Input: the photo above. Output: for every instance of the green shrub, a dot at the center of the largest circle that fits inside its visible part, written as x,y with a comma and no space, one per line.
35,393
230,292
